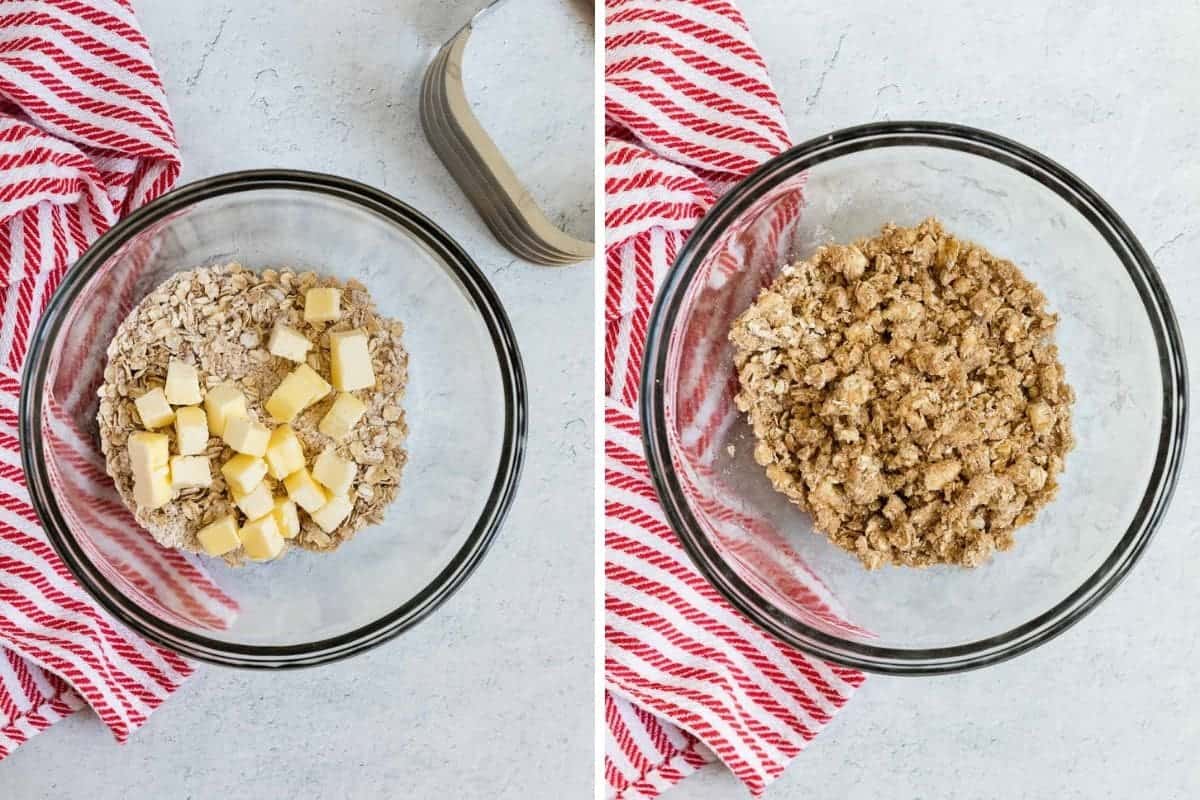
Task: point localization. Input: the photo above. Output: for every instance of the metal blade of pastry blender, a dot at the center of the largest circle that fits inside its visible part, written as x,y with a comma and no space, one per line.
479,167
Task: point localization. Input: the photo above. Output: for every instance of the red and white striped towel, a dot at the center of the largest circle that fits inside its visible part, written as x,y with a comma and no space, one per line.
84,138
690,110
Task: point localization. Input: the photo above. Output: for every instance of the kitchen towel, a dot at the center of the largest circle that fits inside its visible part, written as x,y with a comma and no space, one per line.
689,111
85,138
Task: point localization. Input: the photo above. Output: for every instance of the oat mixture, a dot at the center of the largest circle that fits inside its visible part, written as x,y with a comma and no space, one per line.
219,319
906,392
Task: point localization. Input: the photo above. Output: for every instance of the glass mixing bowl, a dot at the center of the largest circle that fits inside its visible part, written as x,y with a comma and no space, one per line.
1118,341
465,406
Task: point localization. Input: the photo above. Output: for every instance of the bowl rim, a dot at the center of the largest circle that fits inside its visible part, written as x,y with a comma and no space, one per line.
1168,460
448,579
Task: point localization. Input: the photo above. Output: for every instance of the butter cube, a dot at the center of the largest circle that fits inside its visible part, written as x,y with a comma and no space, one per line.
296,392
342,416
288,399
286,518
261,538
256,503
330,515
148,452
191,430
334,473
351,360
153,489
243,472
322,305
220,537
304,491
285,454
247,436
312,383
223,402
151,470
287,342
190,472
183,385
154,409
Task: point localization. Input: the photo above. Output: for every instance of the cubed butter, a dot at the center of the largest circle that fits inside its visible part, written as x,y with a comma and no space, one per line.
285,454
223,402
322,305
220,537
330,515
351,360
183,384
153,489
243,472
304,491
334,473
342,416
297,391
148,452
191,430
247,436
288,399
154,409
190,472
261,538
286,518
287,342
312,382
256,503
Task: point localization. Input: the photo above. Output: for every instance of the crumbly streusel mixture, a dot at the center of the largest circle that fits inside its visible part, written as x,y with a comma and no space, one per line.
906,392
220,318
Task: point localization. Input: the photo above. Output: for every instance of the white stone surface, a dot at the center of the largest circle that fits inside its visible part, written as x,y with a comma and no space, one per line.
1110,709
492,696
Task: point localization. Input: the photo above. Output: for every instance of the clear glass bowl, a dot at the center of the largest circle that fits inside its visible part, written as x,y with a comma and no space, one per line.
1118,340
465,406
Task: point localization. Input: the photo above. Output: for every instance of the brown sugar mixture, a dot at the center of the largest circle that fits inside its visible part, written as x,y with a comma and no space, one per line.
220,323
905,390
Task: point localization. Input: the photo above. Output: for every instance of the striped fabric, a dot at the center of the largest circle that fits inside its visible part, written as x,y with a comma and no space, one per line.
689,110
84,138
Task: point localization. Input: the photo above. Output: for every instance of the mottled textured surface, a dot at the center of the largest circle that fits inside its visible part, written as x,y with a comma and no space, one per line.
492,696
1110,709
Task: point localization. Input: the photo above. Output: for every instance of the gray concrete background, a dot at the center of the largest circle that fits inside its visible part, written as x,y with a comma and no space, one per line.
1111,709
492,696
